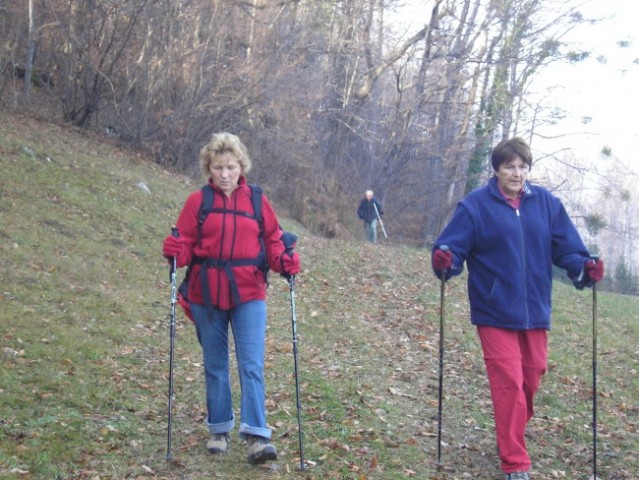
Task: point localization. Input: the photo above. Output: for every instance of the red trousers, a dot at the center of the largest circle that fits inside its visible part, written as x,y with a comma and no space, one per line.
515,362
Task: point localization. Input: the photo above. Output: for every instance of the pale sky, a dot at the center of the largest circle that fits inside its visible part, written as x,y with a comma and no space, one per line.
605,92
608,92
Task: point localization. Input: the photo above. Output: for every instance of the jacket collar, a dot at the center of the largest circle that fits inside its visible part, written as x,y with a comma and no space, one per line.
240,182
494,188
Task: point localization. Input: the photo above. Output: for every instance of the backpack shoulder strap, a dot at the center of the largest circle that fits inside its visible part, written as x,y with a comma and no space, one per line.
205,208
256,199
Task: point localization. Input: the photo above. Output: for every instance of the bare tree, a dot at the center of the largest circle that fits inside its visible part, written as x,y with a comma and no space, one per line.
91,45
328,97
30,50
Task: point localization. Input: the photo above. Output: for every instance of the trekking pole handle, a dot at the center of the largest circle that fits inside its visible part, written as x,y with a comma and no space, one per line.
175,233
288,239
443,248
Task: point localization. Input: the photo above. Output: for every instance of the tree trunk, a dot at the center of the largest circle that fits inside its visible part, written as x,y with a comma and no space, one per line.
28,70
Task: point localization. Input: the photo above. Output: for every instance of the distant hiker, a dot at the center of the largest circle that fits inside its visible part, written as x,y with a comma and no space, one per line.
368,211
510,233
228,248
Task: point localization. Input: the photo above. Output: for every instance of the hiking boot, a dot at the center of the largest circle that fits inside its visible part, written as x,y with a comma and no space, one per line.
219,444
518,476
259,450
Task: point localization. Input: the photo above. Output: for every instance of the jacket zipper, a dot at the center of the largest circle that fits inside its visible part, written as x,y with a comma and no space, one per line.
525,267
218,271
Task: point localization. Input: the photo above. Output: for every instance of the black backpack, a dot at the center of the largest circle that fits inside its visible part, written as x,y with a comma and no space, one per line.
206,207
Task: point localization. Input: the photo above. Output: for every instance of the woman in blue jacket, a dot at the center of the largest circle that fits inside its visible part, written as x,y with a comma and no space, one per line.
510,233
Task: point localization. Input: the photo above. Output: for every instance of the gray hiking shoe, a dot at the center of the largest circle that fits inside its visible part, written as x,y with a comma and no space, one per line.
219,444
518,476
260,450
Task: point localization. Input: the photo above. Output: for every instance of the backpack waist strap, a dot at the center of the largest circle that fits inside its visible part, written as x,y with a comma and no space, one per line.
227,266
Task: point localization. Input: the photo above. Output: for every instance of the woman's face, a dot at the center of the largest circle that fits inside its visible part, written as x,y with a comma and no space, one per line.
511,176
225,172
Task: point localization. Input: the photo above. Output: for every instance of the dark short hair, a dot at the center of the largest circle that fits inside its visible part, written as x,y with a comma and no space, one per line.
510,148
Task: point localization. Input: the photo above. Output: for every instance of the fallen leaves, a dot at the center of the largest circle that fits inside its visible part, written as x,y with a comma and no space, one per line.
368,324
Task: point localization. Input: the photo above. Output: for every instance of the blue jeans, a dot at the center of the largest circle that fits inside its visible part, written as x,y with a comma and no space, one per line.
248,323
371,231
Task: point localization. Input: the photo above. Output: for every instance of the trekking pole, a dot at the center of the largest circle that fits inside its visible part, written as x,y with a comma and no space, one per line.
442,292
172,274
289,240
594,378
380,220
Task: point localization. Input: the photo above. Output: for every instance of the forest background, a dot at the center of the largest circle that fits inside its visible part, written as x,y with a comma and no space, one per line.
332,97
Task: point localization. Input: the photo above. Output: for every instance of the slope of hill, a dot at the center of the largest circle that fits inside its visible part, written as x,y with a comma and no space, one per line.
84,344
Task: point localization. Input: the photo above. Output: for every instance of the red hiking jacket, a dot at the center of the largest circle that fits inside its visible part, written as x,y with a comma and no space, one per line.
226,236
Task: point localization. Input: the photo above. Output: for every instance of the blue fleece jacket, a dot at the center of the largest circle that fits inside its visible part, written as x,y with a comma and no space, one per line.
509,254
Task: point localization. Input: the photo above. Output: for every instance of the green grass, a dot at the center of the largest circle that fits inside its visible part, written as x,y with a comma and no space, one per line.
84,345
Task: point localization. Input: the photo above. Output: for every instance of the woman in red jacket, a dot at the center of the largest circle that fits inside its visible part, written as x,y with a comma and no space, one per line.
228,254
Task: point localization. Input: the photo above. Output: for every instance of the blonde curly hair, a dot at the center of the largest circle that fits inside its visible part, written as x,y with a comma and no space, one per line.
222,143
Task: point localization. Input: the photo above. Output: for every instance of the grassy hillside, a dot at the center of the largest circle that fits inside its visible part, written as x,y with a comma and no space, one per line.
84,345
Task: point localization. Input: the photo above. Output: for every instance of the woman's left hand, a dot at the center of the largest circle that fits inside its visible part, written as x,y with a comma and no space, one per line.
592,273
290,263
594,269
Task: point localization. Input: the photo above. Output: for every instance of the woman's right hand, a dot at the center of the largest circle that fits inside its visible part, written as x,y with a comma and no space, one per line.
172,246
